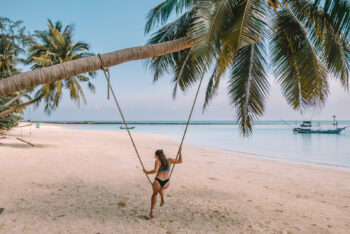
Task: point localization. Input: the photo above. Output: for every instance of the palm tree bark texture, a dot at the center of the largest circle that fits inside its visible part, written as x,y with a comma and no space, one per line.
71,68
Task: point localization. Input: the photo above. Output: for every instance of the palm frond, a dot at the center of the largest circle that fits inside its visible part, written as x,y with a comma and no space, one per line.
327,35
299,71
223,27
187,70
92,87
249,24
172,62
161,13
203,32
213,85
248,85
339,12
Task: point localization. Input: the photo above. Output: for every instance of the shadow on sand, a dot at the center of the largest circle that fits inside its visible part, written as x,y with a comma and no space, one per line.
23,145
124,203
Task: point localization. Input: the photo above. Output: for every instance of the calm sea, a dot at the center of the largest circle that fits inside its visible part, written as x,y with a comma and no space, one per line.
270,139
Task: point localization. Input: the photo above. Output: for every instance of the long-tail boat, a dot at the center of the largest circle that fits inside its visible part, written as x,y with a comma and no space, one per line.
307,127
122,127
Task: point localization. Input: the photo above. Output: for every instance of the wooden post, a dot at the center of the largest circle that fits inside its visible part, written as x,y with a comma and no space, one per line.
24,141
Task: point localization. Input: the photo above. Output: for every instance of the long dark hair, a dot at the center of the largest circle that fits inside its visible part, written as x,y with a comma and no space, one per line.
163,160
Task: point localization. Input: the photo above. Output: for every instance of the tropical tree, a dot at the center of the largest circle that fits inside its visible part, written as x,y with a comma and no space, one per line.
13,38
10,120
308,39
55,46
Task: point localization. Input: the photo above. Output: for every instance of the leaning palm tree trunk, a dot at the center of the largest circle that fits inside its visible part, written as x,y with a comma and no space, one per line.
71,68
13,109
19,95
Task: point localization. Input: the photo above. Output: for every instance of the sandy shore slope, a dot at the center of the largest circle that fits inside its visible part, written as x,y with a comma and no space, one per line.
76,181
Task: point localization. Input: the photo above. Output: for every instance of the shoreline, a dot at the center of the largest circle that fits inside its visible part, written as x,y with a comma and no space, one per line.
270,158
194,122
78,181
234,153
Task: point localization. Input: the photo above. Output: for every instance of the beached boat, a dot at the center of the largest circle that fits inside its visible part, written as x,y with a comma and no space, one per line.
121,127
308,127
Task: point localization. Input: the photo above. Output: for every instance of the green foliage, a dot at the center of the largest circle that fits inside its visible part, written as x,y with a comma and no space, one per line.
13,39
299,71
162,12
179,63
308,40
53,46
9,121
248,85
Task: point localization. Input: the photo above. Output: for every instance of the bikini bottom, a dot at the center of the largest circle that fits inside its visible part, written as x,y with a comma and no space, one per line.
162,182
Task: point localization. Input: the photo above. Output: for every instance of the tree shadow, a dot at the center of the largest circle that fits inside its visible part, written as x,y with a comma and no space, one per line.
24,145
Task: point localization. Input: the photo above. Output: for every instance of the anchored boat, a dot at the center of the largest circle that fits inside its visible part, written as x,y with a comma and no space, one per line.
308,127
121,127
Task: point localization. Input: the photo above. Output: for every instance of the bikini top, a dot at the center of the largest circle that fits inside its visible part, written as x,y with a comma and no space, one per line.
168,169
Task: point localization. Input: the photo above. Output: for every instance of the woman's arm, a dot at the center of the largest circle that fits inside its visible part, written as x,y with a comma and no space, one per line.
177,161
155,170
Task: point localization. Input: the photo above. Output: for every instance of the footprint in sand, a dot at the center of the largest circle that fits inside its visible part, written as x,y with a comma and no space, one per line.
280,211
143,217
212,178
121,204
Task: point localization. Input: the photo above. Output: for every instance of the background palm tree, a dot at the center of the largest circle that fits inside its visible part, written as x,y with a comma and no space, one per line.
55,46
13,40
308,40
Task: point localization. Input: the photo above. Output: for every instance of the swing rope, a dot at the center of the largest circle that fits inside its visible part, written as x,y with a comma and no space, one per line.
187,124
108,76
109,88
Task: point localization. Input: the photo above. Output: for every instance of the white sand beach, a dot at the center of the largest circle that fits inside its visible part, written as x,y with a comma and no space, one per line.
79,181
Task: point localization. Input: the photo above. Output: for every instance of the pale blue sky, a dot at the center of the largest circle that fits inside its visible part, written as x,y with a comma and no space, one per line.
109,25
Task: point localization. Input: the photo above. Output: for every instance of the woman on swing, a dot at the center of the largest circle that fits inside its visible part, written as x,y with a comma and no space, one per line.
161,182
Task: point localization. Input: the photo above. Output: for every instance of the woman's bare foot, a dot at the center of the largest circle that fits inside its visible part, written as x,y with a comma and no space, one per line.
151,215
162,202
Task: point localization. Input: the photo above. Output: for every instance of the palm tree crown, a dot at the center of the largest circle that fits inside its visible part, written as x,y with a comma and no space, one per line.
53,46
307,41
13,39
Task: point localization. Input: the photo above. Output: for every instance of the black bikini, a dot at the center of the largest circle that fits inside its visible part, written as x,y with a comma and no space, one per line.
162,182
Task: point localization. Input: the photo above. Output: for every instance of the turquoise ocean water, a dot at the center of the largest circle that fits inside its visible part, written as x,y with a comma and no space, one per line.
270,139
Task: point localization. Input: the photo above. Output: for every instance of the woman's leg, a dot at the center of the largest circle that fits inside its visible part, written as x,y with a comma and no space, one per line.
156,188
161,192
